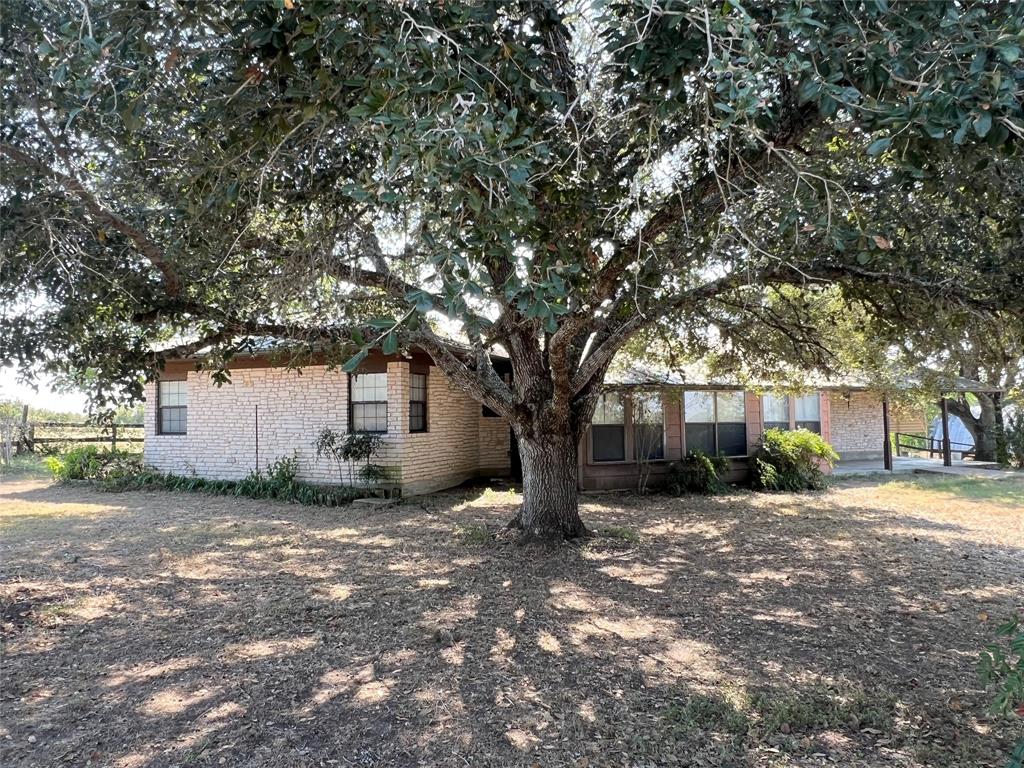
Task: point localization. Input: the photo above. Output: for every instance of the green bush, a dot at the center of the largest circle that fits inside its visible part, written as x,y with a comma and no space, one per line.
1001,666
1013,429
789,460
697,473
92,463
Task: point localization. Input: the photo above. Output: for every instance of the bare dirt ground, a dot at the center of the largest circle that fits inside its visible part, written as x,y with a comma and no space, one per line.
840,628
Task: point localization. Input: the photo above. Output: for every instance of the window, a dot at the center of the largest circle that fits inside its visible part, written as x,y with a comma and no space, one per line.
808,413
369,408
699,408
417,402
716,422
648,427
608,430
172,407
776,411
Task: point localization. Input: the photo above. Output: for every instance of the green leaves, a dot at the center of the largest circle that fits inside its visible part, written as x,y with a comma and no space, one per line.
983,124
878,146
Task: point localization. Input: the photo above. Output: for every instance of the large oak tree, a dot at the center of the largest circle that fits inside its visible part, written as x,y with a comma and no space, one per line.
555,177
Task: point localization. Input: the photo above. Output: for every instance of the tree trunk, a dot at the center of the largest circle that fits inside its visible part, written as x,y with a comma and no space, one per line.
550,507
982,427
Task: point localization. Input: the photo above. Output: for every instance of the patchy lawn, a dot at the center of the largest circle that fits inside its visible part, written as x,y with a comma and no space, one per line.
842,628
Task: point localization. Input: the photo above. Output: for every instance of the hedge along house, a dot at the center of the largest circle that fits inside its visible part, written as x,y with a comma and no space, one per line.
434,435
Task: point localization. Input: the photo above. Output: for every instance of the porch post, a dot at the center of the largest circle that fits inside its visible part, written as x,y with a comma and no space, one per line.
947,456
887,445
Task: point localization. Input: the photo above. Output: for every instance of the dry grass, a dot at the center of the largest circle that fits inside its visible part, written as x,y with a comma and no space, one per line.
156,629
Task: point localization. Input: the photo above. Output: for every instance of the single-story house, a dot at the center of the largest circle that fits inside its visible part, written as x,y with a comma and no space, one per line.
435,436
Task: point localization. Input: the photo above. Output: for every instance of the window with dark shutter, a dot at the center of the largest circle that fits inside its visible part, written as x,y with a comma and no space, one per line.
417,402
715,422
608,429
369,402
172,407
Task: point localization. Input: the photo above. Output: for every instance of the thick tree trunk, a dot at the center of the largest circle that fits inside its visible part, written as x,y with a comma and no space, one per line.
550,507
981,427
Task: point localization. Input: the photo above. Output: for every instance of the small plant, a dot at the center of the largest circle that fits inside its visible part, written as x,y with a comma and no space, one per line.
791,460
348,450
1001,665
697,473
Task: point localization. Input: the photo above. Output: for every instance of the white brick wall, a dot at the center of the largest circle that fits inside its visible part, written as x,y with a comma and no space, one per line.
293,406
857,429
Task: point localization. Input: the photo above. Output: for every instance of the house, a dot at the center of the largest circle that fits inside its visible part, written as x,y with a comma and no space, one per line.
435,436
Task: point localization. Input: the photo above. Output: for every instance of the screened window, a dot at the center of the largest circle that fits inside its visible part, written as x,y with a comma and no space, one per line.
417,402
808,413
369,402
776,411
648,427
608,429
715,422
172,407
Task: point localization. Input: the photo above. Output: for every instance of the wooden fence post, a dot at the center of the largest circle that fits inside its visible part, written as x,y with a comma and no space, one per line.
113,437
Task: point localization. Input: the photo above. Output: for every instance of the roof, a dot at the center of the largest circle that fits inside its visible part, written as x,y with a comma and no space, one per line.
696,376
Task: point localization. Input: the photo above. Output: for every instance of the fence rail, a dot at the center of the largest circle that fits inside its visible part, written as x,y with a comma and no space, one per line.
105,434
932,446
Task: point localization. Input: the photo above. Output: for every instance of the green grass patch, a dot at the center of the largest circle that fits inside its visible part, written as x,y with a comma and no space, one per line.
1008,490
474,535
620,532
24,467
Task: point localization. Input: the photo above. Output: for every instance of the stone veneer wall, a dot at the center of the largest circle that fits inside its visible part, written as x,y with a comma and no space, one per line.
221,441
857,429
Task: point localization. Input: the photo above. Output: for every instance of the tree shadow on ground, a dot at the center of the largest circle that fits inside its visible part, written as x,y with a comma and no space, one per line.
168,629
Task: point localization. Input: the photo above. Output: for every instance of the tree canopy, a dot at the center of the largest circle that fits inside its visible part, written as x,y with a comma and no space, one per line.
554,177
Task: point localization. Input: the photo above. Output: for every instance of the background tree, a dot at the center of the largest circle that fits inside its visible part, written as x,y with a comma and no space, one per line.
555,177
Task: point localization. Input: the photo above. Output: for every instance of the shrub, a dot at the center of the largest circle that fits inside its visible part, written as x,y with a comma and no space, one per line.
349,449
791,460
697,473
91,463
1001,665
1013,430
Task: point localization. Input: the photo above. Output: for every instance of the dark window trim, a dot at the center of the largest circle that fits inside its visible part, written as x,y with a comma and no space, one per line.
161,408
426,412
352,403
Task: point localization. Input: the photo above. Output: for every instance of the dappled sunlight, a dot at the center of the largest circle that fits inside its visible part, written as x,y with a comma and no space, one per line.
150,671
384,636
261,649
641,575
336,592
174,700
548,643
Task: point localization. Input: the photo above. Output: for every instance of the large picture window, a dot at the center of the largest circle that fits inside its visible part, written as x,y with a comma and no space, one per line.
648,427
715,422
776,411
417,402
608,429
808,413
172,407
369,407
